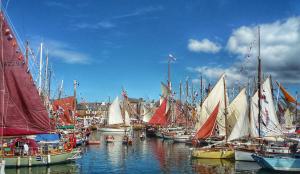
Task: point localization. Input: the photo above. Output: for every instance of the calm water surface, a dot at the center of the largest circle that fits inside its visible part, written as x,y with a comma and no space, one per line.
148,156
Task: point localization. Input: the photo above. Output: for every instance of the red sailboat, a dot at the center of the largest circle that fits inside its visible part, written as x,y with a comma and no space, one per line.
22,111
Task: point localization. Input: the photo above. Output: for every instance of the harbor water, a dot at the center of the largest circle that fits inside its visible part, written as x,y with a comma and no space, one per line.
151,155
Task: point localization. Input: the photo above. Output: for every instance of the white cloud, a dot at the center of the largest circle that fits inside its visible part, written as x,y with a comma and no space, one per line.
66,52
204,45
280,48
141,11
280,51
98,25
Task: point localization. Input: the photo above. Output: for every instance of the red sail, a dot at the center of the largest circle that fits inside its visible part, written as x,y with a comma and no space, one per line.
160,117
21,108
208,127
286,94
64,108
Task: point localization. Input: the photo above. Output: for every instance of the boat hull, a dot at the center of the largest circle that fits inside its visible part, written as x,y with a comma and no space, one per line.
278,163
213,154
121,130
241,155
42,160
181,139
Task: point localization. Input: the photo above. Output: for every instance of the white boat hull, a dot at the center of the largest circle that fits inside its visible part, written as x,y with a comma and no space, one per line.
121,130
241,155
181,138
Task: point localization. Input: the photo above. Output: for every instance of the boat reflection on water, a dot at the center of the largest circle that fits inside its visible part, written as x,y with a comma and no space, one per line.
212,166
60,168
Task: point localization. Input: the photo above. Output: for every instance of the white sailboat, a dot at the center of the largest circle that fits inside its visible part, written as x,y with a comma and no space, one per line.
217,95
115,119
269,126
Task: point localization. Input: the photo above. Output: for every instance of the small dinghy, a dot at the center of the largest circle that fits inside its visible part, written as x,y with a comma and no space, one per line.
109,139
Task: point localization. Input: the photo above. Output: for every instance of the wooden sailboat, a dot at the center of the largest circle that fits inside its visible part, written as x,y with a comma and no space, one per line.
22,111
115,119
209,127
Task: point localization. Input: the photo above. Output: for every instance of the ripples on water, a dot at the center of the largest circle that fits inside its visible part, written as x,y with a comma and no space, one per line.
148,156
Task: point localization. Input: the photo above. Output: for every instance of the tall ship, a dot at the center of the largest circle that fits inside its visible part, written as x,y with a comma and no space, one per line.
23,115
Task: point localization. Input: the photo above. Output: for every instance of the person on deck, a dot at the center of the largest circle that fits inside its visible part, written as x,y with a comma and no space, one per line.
25,149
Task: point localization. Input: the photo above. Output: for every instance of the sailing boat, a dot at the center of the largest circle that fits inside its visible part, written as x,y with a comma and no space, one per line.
115,119
218,117
22,111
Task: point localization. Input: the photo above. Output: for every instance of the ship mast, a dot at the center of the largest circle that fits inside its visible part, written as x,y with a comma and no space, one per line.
259,84
40,70
225,110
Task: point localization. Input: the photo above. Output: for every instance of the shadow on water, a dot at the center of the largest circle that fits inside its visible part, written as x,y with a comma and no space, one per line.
149,156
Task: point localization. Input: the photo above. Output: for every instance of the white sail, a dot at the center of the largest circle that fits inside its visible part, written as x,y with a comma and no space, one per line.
269,122
127,119
115,116
147,114
165,94
238,121
215,96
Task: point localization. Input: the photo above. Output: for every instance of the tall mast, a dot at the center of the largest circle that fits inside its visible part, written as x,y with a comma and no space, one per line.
27,54
192,91
169,73
296,112
259,84
60,89
180,91
75,103
49,83
40,71
2,89
186,90
201,90
46,75
225,110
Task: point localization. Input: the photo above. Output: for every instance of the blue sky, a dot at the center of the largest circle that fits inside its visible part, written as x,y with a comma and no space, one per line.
110,44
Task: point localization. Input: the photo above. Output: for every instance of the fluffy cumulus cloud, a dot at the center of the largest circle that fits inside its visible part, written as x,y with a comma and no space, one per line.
204,45
279,50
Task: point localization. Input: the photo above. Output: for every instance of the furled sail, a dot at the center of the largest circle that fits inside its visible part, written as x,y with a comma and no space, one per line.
215,96
115,115
208,127
160,116
21,109
238,120
64,109
269,122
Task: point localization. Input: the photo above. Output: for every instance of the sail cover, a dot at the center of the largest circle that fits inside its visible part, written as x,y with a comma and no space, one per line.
115,115
64,109
269,122
160,117
21,109
238,120
208,127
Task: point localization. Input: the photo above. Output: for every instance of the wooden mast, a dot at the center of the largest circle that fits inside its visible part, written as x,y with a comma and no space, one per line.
259,84
201,90
225,110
